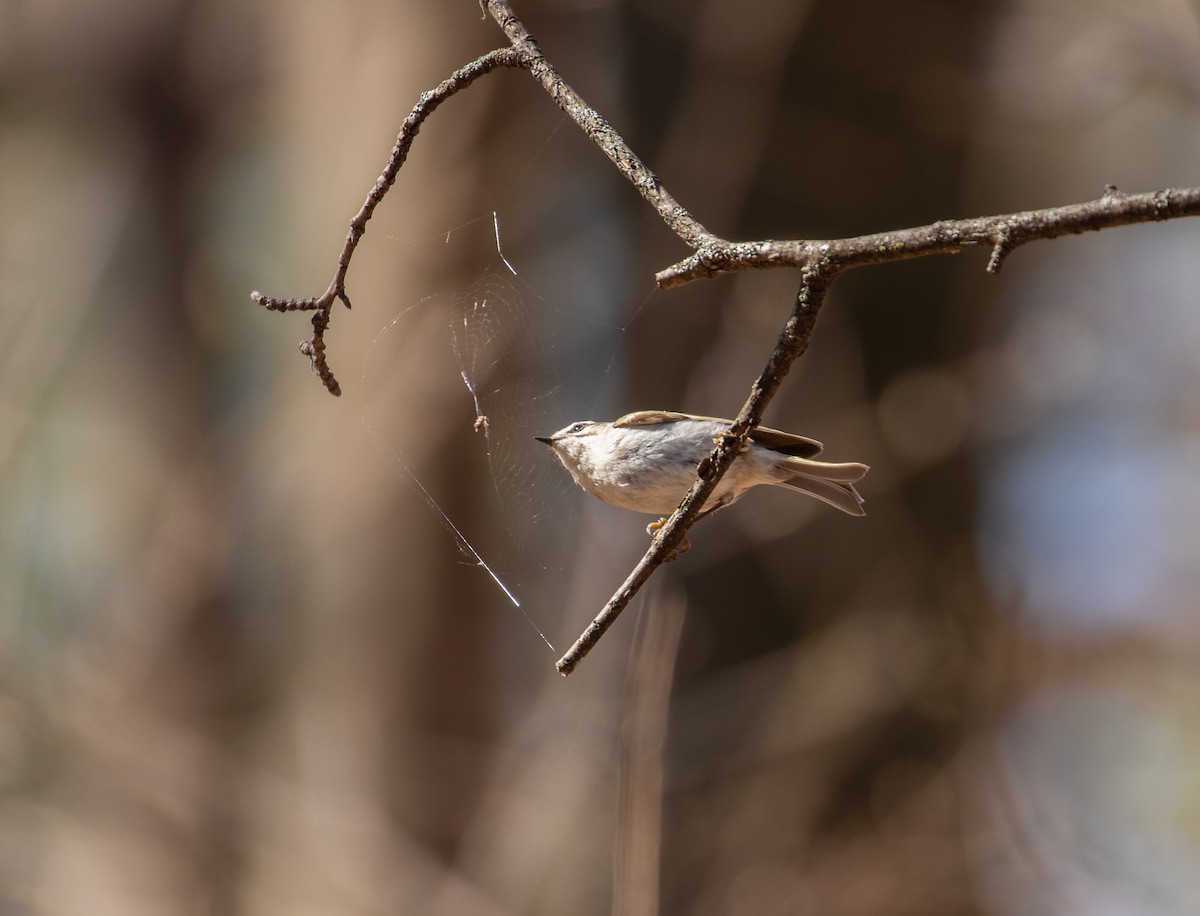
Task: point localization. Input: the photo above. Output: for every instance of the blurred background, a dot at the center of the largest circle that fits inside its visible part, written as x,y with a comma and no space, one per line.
249,663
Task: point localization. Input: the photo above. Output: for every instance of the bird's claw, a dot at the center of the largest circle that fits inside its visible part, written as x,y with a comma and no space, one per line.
653,528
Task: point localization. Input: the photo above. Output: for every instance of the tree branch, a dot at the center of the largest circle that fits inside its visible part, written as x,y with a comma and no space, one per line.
1002,233
314,347
678,219
819,262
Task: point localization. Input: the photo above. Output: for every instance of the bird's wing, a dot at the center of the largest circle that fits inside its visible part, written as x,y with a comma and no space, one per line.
786,443
653,418
775,439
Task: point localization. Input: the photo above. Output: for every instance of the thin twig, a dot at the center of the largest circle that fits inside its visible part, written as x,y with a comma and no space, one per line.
314,347
681,222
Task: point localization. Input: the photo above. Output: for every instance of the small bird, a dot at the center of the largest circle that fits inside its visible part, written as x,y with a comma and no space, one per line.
646,461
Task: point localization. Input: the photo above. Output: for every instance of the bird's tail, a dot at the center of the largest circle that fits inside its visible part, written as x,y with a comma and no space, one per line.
832,483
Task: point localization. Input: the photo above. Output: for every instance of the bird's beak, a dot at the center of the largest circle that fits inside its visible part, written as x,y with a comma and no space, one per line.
546,439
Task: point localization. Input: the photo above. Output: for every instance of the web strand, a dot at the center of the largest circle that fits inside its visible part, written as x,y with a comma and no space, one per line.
523,359
460,539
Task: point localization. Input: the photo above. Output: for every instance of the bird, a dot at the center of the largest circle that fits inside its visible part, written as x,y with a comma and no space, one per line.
647,460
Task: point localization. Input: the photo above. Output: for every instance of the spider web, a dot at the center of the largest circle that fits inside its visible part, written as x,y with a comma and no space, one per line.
499,363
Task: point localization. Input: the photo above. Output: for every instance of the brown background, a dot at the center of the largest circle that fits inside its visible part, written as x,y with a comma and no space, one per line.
244,669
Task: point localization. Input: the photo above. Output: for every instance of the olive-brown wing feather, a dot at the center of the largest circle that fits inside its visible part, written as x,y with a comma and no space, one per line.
775,439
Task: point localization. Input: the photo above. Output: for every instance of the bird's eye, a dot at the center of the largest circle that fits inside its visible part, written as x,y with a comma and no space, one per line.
578,427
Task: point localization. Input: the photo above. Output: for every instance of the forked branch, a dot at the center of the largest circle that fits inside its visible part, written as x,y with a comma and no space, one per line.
819,263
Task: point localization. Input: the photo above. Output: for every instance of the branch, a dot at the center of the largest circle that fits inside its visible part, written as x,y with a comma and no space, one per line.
820,262
314,347
680,221
1002,233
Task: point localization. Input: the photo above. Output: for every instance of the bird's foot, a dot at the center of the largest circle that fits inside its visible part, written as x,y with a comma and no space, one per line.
652,530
